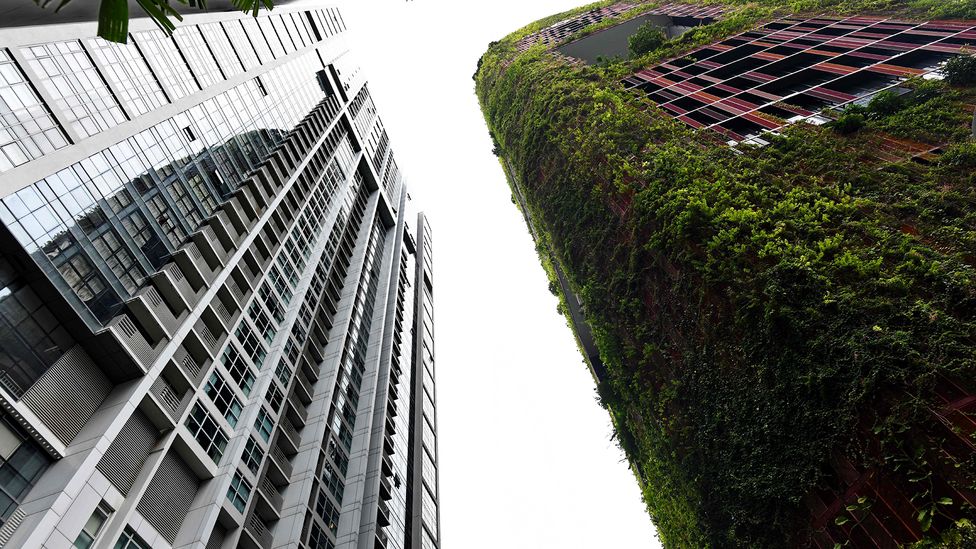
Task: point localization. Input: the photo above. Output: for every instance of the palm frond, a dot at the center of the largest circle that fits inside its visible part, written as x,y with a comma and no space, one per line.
252,6
113,20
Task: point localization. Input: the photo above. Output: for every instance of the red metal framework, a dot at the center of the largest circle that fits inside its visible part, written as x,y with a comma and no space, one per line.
791,68
557,32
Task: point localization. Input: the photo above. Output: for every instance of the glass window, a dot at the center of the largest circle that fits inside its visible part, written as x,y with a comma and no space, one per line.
274,397
331,480
262,321
251,345
223,398
67,73
318,539
27,128
124,66
171,68
219,44
271,35
264,424
253,455
206,431
21,465
32,338
130,540
260,44
241,43
92,528
197,55
239,491
327,511
237,367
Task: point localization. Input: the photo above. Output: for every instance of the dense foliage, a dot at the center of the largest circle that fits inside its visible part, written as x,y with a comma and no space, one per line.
757,313
646,39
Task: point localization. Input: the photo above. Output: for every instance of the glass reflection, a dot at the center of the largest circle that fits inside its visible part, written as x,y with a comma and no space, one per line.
101,226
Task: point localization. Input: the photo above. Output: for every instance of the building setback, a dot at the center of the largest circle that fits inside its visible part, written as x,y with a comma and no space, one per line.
216,321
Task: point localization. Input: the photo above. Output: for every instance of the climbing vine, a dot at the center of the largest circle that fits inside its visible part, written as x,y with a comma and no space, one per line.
760,314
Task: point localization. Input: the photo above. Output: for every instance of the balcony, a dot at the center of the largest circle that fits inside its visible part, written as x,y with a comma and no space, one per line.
257,535
223,227
156,317
207,339
249,202
280,468
270,507
133,342
168,400
289,436
199,272
297,411
189,366
240,295
175,288
303,388
226,316
210,247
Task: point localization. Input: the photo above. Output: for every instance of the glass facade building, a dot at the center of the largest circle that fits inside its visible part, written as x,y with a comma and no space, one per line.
216,297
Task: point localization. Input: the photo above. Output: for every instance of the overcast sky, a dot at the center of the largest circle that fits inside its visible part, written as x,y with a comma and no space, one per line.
526,460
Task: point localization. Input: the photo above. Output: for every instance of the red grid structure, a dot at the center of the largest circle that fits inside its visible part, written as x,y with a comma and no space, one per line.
558,32
793,67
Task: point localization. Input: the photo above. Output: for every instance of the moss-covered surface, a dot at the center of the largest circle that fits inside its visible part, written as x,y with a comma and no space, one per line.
759,314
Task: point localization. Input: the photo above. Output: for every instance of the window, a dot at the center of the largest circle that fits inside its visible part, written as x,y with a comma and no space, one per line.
66,71
331,480
239,492
223,398
274,397
27,129
238,369
327,511
253,455
21,463
94,525
338,456
262,321
318,539
206,431
252,346
125,67
130,540
264,424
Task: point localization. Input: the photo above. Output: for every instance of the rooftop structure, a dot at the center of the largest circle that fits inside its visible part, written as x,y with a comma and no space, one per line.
789,69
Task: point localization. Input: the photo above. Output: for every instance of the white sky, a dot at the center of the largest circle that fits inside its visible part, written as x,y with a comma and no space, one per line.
526,460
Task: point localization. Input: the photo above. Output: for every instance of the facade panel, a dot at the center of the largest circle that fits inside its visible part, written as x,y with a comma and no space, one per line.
221,256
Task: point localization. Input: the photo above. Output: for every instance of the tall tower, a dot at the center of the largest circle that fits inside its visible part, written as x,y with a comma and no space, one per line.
216,323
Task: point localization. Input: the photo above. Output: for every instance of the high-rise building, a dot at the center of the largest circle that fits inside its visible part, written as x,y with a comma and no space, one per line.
760,227
216,321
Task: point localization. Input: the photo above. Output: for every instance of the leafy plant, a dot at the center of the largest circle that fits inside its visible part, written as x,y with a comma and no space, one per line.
848,123
113,15
961,70
646,39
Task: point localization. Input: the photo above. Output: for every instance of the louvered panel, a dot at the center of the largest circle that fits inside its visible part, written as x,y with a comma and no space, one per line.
11,525
124,458
168,497
68,394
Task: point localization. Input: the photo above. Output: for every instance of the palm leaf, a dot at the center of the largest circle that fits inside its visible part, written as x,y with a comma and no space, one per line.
252,5
113,20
